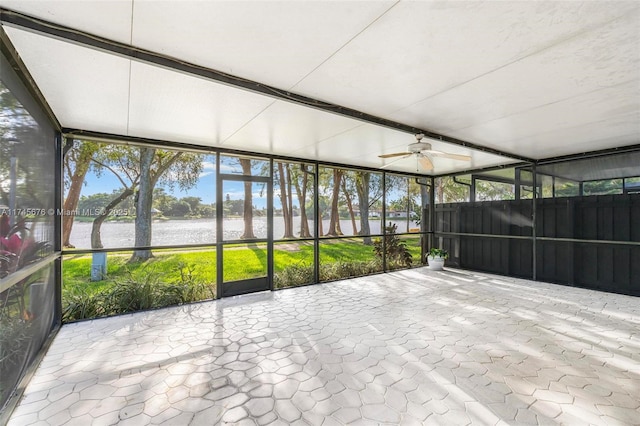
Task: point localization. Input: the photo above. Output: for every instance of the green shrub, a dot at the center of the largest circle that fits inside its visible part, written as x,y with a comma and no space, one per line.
296,275
82,305
137,290
188,289
395,250
15,340
339,270
293,276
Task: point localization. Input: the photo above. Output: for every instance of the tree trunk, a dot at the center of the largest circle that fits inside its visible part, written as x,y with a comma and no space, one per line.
68,145
408,210
302,198
96,239
283,196
143,221
286,212
350,207
82,158
362,188
287,169
82,162
334,221
248,201
439,191
425,209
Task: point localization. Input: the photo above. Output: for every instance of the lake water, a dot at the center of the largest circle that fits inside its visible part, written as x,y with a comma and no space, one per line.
200,231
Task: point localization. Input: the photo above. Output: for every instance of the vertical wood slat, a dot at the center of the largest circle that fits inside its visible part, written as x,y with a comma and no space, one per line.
634,225
571,255
599,266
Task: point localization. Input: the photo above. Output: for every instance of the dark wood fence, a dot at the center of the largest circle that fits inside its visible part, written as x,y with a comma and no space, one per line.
497,237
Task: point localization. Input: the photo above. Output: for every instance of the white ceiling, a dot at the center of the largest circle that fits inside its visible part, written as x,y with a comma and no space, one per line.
536,79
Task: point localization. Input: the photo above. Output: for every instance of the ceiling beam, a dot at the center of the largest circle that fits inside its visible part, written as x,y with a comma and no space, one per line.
590,154
64,33
11,54
109,138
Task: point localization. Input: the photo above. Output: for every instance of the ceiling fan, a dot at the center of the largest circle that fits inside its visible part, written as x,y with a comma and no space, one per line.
423,154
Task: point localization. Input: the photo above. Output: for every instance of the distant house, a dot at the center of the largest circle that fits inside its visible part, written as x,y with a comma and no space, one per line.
631,187
372,213
397,214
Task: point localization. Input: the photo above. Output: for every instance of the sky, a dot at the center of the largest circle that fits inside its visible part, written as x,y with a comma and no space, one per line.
205,187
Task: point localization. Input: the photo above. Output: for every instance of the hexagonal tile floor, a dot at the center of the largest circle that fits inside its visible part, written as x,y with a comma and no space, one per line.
410,347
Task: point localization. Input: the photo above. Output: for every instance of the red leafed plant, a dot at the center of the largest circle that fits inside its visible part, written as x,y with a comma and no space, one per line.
18,249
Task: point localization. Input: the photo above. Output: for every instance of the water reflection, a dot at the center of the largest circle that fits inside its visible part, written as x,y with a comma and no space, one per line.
199,231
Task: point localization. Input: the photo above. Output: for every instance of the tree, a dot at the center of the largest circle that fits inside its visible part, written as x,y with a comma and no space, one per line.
233,207
301,193
567,188
144,199
334,220
449,191
96,240
487,190
163,201
284,179
89,204
195,204
248,201
179,208
369,190
208,211
157,165
77,162
288,185
348,181
18,133
121,162
415,200
362,180
603,187
324,203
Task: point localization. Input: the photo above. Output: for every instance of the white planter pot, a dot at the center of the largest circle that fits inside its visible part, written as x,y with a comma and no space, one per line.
435,263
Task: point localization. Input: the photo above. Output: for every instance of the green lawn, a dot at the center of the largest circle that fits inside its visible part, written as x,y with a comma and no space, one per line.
242,261
177,276
76,270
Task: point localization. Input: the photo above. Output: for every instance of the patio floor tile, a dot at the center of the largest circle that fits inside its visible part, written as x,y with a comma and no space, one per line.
409,347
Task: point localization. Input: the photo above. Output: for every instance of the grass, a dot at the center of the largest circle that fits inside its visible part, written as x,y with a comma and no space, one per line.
240,261
174,277
77,268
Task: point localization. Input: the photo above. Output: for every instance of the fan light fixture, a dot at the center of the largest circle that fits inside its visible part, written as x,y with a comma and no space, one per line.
423,153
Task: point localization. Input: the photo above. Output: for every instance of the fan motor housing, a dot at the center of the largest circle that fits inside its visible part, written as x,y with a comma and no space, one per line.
419,147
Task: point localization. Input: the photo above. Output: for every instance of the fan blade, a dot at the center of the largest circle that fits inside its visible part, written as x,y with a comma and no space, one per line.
425,162
396,160
395,154
447,155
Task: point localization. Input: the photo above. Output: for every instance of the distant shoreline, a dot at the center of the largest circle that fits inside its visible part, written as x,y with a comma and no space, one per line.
121,233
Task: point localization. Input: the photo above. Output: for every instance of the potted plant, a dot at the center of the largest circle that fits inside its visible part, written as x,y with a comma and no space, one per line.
436,258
